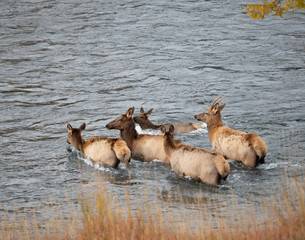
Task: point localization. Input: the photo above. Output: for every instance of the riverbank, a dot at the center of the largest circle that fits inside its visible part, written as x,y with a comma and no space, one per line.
98,216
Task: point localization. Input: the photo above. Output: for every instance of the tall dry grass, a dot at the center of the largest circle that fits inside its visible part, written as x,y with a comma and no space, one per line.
99,216
284,219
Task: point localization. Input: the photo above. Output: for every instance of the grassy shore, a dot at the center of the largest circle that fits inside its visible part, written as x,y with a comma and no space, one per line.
97,216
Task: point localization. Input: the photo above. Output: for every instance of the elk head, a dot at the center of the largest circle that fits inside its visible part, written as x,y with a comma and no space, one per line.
213,113
122,122
170,131
142,119
169,142
75,137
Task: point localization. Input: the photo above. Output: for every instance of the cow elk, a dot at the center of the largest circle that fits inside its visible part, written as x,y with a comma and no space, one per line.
109,151
248,148
145,123
209,167
143,146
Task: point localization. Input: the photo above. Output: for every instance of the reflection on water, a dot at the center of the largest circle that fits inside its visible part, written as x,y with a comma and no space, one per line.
74,62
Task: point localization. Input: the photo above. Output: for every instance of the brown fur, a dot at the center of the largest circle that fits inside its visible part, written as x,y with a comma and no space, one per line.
145,123
195,162
143,146
110,151
248,148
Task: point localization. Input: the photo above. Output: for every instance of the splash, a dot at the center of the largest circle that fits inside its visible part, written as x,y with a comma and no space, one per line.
147,131
203,130
96,165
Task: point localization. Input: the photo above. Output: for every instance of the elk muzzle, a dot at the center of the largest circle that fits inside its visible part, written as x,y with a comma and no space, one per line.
136,119
198,117
111,125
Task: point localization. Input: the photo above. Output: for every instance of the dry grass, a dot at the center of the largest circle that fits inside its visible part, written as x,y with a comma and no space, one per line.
26,225
286,215
101,218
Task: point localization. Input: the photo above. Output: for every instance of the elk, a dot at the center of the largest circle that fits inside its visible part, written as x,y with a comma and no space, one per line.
145,123
248,148
143,146
109,151
209,167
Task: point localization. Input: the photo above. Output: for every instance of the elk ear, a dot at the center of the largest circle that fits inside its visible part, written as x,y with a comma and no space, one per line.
82,127
218,108
221,107
149,112
171,129
130,112
163,129
141,110
215,109
70,129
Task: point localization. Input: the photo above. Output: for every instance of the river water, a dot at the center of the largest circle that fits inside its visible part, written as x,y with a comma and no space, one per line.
89,61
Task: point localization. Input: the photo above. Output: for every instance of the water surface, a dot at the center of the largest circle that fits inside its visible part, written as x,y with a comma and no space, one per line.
74,62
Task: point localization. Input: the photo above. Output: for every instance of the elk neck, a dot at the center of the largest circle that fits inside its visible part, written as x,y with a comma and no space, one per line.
79,144
155,127
214,124
129,133
170,143
150,125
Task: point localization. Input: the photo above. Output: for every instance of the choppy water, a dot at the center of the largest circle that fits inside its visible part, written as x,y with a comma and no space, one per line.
89,61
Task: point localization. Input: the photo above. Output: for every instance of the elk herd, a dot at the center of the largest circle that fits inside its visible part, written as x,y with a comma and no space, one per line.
198,163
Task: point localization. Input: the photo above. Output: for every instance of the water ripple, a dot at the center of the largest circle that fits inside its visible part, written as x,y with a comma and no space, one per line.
73,61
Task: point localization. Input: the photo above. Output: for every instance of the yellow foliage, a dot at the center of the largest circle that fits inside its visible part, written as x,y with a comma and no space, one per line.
276,7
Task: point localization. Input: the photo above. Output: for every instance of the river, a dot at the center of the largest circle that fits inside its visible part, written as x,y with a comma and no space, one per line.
89,61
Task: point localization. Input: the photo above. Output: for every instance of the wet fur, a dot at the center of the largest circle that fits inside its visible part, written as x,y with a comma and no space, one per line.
110,151
248,148
198,163
143,146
